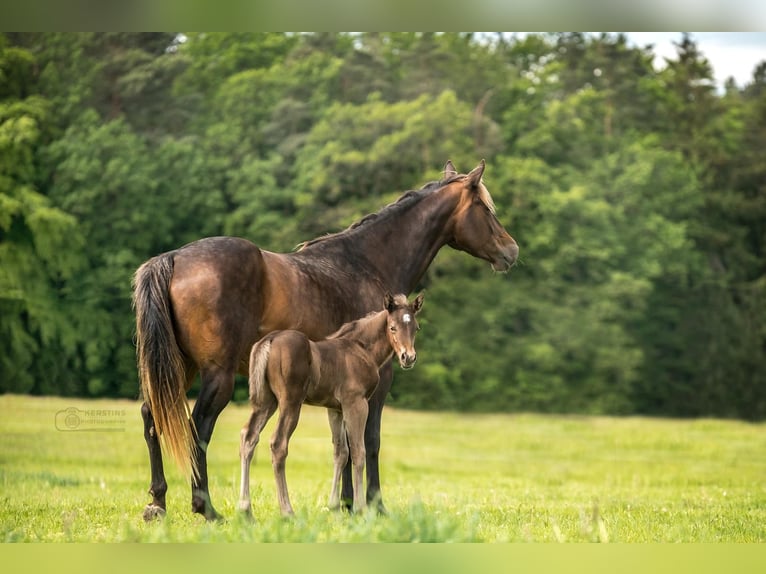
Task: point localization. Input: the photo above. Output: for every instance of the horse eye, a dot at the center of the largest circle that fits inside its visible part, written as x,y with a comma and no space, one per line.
393,328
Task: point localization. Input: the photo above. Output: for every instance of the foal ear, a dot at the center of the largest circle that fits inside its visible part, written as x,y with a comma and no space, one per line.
449,170
388,302
474,178
417,303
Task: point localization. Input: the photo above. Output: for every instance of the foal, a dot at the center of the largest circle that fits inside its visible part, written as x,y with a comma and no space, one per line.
340,373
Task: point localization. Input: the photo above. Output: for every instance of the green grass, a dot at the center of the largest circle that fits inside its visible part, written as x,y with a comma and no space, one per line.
446,477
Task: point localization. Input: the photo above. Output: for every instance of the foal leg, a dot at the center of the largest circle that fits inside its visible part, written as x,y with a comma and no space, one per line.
217,388
288,420
355,416
249,437
371,444
159,486
340,454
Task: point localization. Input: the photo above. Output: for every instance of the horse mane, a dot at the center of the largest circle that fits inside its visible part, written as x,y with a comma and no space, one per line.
485,197
407,199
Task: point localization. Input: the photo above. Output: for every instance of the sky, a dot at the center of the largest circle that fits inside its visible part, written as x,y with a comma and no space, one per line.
731,54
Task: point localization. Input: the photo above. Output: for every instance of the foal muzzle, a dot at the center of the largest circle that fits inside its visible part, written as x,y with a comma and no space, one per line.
407,360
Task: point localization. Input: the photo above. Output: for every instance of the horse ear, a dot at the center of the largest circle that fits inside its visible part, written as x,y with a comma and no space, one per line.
388,302
449,170
474,178
417,303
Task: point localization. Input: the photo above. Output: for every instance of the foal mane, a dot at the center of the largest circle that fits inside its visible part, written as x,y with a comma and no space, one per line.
355,327
358,326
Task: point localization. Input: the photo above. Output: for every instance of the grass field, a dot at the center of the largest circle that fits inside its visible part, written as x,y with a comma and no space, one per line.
446,477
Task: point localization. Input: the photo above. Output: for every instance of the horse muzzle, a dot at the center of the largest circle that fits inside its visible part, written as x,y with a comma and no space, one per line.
506,257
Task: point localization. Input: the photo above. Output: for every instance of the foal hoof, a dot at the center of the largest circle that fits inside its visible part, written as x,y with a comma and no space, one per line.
153,512
245,512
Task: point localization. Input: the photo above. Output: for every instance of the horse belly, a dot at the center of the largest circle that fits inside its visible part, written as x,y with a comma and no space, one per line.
346,374
314,298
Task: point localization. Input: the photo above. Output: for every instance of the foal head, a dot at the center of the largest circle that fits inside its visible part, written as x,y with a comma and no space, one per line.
476,229
402,326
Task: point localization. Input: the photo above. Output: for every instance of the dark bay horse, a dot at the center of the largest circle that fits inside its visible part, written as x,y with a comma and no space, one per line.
340,373
201,307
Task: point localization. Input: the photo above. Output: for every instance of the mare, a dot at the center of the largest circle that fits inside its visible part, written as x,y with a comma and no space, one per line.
200,309
340,373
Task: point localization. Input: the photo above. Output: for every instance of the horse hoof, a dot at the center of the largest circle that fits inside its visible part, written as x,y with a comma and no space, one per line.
198,506
212,516
153,512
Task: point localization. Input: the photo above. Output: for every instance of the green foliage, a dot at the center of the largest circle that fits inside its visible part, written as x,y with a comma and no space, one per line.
40,244
384,148
636,195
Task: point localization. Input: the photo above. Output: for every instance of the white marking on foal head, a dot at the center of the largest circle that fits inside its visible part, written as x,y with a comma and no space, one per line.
406,318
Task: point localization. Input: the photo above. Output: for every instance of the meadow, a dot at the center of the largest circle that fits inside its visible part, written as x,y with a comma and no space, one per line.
446,477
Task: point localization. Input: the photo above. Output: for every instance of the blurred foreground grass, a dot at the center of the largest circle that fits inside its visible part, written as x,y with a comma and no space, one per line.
446,478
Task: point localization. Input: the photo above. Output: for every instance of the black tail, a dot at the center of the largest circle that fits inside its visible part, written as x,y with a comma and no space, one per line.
161,366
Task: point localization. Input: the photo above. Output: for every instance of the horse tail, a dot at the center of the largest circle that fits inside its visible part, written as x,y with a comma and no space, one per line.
259,359
161,365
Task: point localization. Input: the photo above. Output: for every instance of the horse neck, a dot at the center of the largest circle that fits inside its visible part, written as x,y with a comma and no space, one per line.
370,331
401,247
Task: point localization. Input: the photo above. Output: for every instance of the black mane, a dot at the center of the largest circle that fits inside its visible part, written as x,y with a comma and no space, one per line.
406,200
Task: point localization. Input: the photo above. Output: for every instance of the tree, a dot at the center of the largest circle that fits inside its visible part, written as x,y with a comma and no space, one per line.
636,195
357,157
39,244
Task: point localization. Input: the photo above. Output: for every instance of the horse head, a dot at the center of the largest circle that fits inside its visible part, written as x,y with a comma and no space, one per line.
476,228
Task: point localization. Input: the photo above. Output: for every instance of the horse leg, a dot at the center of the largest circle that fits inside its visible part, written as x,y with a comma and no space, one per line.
355,415
158,486
288,420
371,444
340,454
216,390
250,435
372,436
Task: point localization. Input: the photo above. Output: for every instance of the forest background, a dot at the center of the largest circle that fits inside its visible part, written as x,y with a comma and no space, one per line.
637,195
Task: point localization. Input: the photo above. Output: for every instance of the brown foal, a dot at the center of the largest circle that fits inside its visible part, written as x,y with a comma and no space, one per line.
340,373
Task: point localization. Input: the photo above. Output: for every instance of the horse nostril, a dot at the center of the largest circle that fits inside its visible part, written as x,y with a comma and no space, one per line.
408,360
513,252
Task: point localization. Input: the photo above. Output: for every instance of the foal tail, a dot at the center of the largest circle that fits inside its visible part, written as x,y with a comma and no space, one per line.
161,367
259,359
